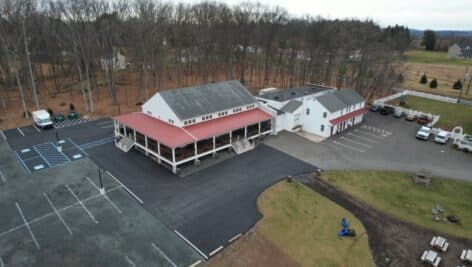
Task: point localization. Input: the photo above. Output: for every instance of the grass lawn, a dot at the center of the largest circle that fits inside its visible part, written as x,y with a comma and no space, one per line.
434,57
451,114
304,225
394,193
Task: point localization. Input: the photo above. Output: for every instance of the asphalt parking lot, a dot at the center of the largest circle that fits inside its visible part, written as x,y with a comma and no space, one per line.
378,143
57,217
206,209
210,207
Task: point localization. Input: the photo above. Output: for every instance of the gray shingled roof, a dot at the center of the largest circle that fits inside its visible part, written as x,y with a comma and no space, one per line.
330,102
340,99
199,100
291,106
291,93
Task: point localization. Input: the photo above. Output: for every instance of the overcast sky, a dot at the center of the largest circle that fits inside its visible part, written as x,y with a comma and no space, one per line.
417,14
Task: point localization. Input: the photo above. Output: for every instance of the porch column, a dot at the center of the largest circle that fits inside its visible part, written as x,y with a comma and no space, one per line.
134,135
230,139
245,132
259,129
125,131
174,166
117,131
159,152
214,146
146,145
196,161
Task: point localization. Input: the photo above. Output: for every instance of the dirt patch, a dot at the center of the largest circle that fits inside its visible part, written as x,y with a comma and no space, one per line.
401,242
252,249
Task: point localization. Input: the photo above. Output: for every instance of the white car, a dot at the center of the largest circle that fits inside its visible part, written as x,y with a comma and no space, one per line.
423,133
442,137
465,144
42,119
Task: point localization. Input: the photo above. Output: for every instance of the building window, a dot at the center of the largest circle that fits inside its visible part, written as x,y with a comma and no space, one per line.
322,128
307,111
325,114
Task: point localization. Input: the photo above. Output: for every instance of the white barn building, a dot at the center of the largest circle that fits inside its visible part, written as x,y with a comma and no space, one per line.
319,110
182,126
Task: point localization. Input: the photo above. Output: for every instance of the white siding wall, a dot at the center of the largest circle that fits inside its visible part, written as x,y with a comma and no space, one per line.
158,108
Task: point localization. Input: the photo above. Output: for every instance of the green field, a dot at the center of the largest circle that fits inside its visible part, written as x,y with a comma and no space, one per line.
395,194
433,57
451,114
304,225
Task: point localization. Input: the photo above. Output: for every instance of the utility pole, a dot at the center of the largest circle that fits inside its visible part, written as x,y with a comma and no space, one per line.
466,77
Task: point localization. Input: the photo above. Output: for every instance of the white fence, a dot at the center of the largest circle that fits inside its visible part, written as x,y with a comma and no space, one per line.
415,93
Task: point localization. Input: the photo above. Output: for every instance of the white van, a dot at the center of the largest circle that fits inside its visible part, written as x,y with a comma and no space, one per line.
42,119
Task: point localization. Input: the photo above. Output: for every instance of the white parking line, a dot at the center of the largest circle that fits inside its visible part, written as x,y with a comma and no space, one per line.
218,249
164,255
27,225
348,146
82,204
104,122
363,138
57,213
36,128
3,135
192,245
126,188
195,263
130,261
20,131
59,210
355,142
105,196
368,134
3,176
1,262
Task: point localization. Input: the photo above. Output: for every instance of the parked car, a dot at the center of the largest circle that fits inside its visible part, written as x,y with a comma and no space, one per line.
42,119
398,113
410,117
442,137
374,108
465,144
59,117
72,115
424,133
423,119
386,110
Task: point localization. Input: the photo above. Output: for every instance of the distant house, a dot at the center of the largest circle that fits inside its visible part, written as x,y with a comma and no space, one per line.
460,51
119,62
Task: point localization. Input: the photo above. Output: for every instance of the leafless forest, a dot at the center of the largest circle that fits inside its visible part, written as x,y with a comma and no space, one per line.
53,52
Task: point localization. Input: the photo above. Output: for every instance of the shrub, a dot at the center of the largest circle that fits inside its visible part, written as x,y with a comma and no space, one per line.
71,107
433,84
424,79
457,85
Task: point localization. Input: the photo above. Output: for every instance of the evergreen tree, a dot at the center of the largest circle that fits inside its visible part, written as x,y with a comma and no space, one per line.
457,85
433,84
429,39
424,79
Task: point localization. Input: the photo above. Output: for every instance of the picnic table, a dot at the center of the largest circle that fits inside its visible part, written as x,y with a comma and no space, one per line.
440,243
466,255
431,257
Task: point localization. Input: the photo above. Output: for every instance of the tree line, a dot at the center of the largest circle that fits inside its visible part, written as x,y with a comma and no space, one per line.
79,40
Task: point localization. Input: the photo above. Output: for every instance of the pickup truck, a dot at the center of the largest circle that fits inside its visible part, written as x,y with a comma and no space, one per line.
423,133
442,137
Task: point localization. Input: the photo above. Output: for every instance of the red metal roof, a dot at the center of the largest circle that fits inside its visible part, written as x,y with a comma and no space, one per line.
348,116
166,133
228,123
173,136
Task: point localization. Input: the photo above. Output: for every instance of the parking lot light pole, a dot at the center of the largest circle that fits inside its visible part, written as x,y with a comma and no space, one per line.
58,145
102,190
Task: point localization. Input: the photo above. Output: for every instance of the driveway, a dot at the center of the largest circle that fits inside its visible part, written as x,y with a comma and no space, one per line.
379,143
